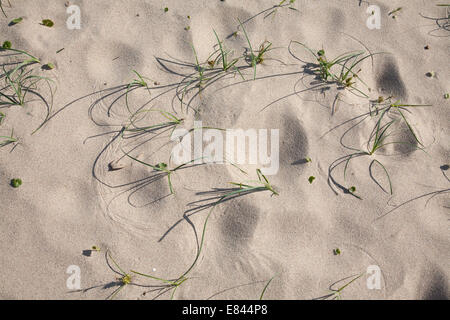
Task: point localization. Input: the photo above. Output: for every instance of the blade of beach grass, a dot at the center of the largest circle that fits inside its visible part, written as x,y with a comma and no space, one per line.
6,140
136,83
282,4
337,292
265,288
223,54
172,123
385,171
252,54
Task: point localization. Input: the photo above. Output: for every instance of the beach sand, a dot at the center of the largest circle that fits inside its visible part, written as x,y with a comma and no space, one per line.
70,201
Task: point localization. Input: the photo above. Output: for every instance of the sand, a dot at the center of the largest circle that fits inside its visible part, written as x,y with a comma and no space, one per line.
70,201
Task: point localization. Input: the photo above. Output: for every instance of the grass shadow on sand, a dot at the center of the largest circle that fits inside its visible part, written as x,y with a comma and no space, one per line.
442,24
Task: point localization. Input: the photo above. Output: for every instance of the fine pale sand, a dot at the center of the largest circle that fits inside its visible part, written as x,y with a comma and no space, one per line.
70,201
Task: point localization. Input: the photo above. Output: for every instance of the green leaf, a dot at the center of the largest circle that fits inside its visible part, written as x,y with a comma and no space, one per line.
49,66
15,183
7,45
161,166
311,179
48,23
15,21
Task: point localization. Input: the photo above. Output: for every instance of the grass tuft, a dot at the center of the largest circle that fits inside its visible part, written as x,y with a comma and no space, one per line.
342,70
255,57
22,79
388,115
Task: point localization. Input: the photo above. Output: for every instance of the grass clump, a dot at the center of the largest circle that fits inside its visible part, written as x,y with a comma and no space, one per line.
342,70
226,64
388,116
221,195
22,79
255,57
205,73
